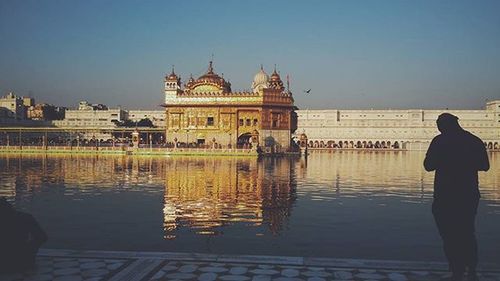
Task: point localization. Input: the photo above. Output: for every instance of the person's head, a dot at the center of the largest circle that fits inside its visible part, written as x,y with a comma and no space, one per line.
448,123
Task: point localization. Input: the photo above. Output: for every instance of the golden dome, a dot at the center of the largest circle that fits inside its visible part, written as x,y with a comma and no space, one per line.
211,79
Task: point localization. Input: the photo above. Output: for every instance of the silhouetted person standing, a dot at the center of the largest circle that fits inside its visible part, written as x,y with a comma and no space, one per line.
20,238
456,155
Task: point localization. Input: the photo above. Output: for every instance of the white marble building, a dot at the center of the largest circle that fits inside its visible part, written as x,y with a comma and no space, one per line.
157,117
13,106
410,129
89,116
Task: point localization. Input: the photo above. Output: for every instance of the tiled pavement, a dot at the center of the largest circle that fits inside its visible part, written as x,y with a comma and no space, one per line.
68,265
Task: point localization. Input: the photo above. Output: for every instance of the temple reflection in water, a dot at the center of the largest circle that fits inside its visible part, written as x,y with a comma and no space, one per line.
208,193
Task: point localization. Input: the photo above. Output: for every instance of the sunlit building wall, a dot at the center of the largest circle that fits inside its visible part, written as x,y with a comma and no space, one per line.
411,129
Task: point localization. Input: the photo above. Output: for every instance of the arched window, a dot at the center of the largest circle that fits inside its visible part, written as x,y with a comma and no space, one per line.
329,144
396,145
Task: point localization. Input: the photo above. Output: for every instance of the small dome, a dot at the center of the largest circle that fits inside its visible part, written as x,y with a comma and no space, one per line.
275,76
261,77
172,76
275,81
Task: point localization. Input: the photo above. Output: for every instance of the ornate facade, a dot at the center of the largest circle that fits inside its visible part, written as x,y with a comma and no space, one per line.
206,112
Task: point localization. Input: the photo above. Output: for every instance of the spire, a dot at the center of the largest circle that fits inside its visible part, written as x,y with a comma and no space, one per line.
275,73
288,83
261,67
172,76
210,68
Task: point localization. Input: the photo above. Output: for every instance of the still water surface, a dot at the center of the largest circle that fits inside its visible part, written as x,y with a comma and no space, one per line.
334,204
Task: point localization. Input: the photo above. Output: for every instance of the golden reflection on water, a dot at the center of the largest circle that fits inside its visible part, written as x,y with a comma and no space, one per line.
208,193
204,194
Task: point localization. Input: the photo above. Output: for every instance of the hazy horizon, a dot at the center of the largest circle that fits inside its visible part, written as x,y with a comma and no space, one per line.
351,54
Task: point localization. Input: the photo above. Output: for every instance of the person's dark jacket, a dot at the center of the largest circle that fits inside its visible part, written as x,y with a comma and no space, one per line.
456,157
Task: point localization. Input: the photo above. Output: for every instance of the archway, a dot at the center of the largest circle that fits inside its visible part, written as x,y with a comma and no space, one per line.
316,144
396,145
389,144
321,144
495,146
370,144
383,144
243,140
358,144
377,144
311,144
490,145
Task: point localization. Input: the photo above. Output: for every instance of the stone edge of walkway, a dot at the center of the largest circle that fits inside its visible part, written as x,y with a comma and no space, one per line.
261,259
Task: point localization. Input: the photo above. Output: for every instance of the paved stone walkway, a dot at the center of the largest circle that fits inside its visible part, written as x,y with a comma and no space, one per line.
69,265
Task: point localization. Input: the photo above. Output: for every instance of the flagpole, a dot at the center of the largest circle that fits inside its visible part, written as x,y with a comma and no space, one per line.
288,83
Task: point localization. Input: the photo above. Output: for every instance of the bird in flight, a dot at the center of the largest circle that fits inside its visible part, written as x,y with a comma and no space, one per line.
307,91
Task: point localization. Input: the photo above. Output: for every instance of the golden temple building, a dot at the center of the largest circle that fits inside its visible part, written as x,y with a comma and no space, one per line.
205,112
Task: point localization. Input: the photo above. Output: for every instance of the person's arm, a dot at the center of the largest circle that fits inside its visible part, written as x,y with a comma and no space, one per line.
431,157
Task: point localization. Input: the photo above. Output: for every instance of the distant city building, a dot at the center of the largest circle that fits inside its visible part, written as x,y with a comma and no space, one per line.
14,106
157,117
85,105
28,101
92,116
206,111
43,111
411,129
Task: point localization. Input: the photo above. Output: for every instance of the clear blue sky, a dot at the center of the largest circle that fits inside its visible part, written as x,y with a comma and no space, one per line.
352,54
